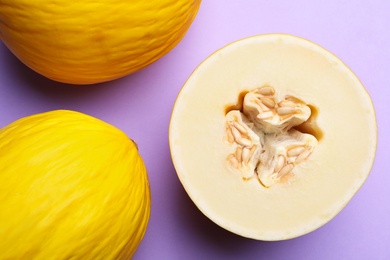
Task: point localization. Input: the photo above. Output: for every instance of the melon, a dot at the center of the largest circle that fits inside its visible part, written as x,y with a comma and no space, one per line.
271,136
88,42
71,187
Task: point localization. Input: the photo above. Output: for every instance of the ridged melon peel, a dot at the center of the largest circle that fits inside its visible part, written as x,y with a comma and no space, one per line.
85,42
71,187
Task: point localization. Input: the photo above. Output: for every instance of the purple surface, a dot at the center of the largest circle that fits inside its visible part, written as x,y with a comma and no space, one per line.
141,104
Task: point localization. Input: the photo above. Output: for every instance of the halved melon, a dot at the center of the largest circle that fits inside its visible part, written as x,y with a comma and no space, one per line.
272,136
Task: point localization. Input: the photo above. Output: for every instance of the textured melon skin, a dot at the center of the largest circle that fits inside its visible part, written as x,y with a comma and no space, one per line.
71,186
320,188
87,42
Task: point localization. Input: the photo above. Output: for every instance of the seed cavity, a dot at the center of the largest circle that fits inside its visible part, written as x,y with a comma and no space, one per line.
264,143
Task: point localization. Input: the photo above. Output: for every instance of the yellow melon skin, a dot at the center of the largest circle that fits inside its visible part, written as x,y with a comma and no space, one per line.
85,42
71,187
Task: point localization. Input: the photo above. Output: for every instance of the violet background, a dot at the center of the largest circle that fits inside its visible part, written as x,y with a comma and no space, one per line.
140,104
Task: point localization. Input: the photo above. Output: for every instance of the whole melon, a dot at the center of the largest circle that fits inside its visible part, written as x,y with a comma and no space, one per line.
87,41
71,187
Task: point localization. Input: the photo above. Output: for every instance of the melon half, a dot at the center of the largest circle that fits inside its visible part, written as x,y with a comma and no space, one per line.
272,136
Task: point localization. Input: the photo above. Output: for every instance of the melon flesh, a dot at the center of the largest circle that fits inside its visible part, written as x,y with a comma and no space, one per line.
321,186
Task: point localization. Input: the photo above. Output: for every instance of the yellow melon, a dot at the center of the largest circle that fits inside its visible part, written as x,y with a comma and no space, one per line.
71,187
86,41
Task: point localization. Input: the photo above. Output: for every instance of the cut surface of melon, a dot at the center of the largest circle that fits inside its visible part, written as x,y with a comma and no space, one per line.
341,119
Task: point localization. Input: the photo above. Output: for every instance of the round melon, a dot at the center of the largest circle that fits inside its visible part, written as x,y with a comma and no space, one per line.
71,187
272,136
86,42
